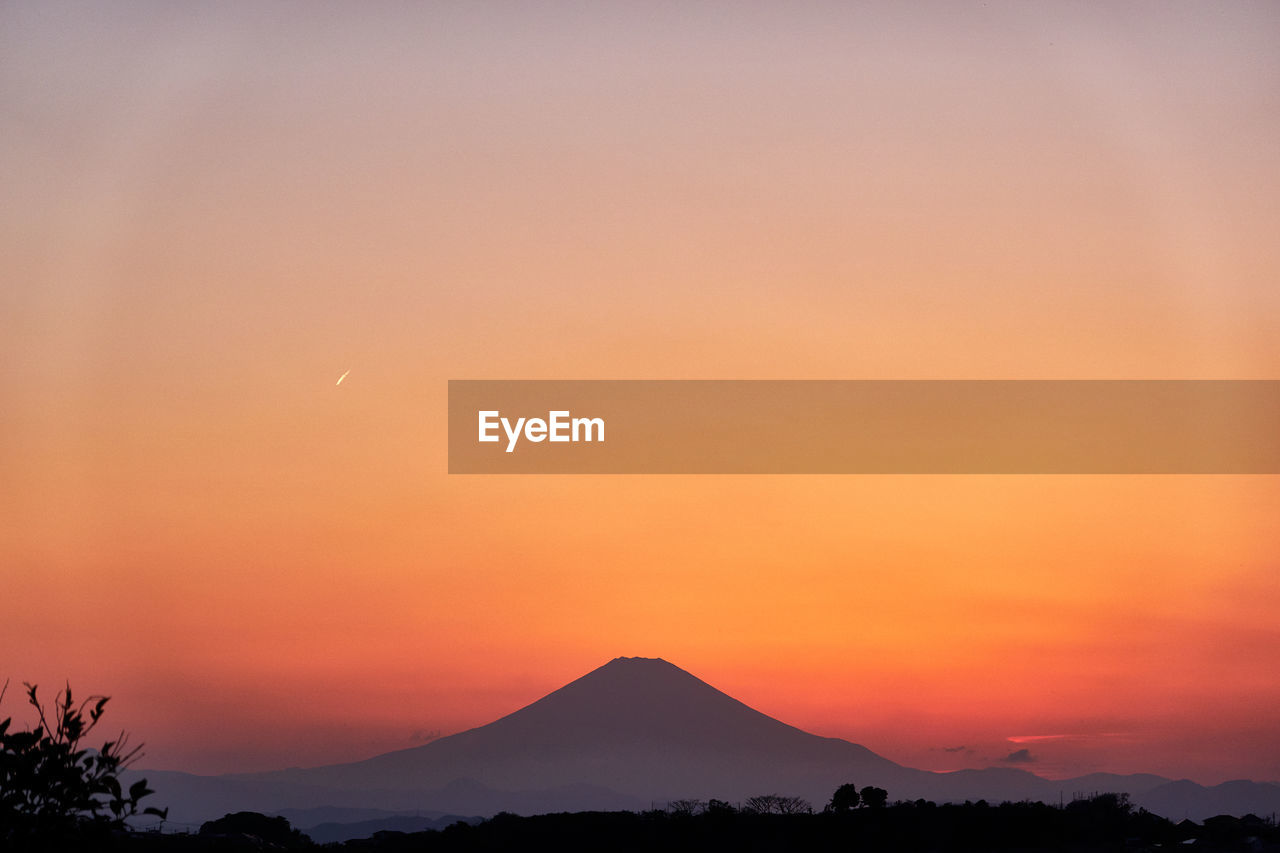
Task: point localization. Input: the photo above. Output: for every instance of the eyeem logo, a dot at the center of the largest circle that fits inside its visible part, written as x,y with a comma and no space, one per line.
558,426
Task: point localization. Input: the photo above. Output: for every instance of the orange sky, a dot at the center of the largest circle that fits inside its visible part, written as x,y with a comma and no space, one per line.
211,215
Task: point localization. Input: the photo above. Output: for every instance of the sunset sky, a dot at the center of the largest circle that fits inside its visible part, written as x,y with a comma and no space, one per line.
210,214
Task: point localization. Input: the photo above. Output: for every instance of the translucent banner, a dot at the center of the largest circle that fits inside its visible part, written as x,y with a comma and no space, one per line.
864,427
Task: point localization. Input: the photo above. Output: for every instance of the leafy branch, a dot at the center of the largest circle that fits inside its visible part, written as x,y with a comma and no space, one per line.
53,786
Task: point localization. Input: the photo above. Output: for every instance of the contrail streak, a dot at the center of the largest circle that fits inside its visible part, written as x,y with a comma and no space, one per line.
342,377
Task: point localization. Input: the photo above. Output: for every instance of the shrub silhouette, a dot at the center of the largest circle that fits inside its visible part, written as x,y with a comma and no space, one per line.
874,798
845,798
54,789
256,827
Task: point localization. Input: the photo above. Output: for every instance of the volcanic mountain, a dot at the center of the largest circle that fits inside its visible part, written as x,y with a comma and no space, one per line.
638,726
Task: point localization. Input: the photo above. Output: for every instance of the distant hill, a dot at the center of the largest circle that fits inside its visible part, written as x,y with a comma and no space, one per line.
1186,799
640,731
347,830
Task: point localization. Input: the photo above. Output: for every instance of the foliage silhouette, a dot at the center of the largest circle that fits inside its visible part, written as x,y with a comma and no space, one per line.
1101,823
777,804
274,832
874,798
53,789
844,798
687,807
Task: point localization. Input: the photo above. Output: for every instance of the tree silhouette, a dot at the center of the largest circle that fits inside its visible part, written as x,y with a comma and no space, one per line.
269,832
874,798
844,799
687,808
53,788
777,804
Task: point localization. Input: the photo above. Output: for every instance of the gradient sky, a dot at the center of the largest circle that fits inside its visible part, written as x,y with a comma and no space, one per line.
210,214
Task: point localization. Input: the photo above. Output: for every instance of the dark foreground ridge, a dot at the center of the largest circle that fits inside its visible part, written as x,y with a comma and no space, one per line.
1106,822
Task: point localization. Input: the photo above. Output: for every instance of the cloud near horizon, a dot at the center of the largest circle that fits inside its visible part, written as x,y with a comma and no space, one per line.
1038,738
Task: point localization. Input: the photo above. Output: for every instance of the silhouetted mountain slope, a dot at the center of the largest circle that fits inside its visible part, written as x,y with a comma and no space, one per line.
639,731
637,726
1132,784
1186,799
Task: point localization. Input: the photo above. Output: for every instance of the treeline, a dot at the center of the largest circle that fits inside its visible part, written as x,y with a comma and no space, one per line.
1102,823
1105,822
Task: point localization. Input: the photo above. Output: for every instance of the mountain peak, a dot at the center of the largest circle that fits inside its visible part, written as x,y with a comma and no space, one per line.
637,700
628,690
638,662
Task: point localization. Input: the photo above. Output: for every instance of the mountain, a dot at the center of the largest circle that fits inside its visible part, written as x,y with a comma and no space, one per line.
1186,799
640,727
638,732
